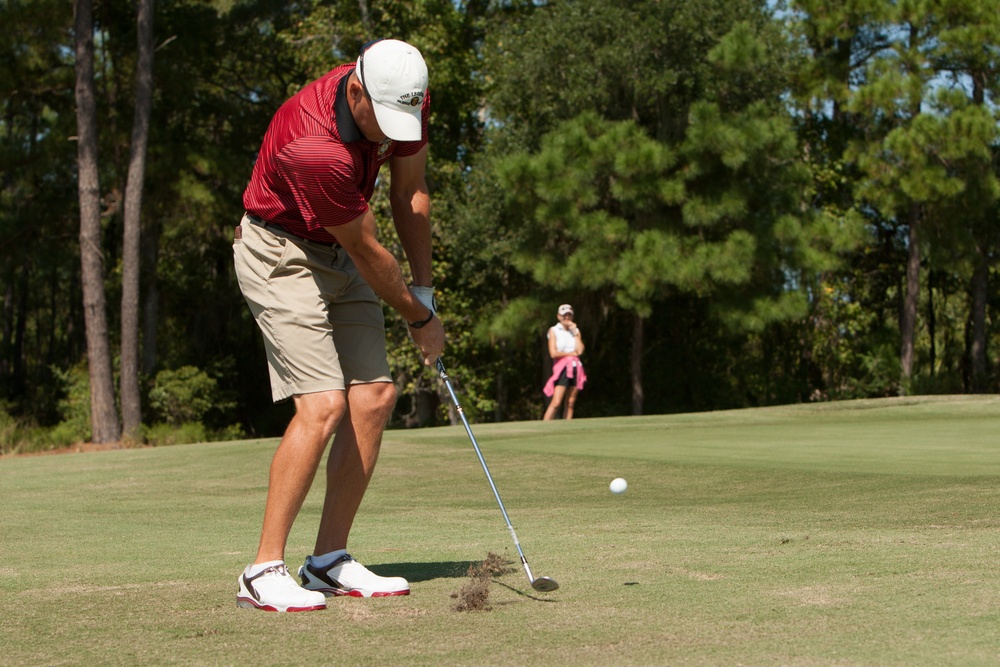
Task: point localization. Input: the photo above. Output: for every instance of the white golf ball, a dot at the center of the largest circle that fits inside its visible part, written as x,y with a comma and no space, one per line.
618,485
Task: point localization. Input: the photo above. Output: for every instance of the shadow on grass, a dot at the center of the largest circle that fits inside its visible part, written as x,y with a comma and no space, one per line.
414,572
458,569
523,593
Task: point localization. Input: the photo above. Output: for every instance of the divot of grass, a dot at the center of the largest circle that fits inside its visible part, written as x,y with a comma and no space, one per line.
475,594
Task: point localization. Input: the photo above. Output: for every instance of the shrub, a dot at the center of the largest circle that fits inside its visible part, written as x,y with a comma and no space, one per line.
9,429
231,432
184,396
23,436
175,434
189,433
74,406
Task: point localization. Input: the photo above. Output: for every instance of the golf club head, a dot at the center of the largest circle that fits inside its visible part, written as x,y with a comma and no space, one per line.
544,584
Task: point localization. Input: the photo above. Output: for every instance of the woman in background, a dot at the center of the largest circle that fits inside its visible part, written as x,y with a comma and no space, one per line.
565,348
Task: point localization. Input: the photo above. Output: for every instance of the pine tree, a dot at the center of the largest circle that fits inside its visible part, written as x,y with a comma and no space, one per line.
654,196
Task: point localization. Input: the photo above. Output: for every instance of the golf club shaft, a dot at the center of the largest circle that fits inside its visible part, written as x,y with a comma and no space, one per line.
486,469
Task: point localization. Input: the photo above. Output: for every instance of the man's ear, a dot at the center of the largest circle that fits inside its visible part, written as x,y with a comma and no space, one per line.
354,89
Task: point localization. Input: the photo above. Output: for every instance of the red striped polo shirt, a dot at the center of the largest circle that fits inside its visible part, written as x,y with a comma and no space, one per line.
315,168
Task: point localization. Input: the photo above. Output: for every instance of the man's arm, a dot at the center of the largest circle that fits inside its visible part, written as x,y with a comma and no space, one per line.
381,270
411,206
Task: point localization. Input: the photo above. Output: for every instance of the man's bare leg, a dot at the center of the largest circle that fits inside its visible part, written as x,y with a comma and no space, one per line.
352,460
294,467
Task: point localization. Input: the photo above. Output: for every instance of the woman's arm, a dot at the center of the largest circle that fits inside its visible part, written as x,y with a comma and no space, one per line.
555,354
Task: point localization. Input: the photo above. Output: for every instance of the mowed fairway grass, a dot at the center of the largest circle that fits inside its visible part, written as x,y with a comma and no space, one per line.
854,533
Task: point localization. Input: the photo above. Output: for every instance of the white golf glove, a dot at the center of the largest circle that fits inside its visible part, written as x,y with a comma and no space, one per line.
425,295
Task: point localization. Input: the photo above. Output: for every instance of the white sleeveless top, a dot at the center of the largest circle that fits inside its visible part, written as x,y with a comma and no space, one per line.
565,341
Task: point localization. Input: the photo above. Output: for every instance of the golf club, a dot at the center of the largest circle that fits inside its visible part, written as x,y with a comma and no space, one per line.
543,584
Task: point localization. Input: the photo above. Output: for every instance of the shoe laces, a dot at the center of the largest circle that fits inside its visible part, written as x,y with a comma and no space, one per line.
281,570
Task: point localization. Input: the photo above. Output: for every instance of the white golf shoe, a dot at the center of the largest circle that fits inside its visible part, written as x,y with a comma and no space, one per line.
346,576
274,589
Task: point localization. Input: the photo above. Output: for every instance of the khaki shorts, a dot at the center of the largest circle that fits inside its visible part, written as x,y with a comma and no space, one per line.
323,325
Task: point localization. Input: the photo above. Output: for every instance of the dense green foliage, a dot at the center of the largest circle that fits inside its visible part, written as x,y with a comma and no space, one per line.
731,194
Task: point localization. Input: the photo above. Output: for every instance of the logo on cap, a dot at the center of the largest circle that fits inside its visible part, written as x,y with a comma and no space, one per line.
413,99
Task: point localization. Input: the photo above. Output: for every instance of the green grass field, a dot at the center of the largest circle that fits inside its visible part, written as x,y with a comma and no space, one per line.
856,533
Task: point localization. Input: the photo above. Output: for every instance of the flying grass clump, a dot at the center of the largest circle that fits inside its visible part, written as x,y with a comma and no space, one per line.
475,594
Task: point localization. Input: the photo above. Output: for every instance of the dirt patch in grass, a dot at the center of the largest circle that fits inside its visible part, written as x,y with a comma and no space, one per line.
475,594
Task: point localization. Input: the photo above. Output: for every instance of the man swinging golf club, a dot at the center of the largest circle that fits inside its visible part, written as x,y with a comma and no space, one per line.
312,271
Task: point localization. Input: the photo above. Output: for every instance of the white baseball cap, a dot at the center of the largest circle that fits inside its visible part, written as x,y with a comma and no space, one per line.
394,75
565,308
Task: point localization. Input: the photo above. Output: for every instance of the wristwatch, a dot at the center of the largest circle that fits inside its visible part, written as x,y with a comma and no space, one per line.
421,323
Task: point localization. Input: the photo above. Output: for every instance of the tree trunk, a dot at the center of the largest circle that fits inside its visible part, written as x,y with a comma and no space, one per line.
931,322
637,342
130,394
103,413
151,230
8,359
980,276
908,318
18,376
500,411
980,287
